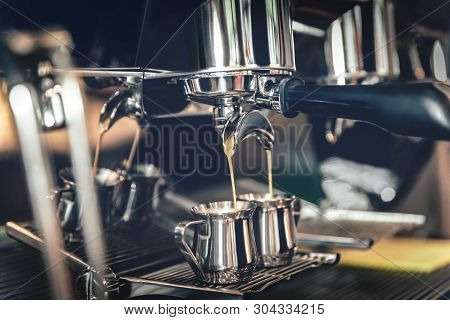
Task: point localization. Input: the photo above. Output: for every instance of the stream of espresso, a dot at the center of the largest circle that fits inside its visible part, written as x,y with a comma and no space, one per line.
133,149
131,155
269,171
233,185
104,126
97,149
229,151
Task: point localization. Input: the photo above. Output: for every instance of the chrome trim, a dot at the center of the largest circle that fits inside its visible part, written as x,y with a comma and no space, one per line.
81,160
38,176
206,89
40,51
41,54
123,103
243,125
71,213
344,44
232,35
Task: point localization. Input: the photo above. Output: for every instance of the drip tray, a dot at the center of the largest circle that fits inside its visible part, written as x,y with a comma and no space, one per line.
351,228
171,277
180,281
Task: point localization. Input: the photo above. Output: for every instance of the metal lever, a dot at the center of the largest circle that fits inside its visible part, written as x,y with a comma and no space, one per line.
29,61
23,98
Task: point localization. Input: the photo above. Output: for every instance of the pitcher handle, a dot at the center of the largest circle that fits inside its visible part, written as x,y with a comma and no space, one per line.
184,247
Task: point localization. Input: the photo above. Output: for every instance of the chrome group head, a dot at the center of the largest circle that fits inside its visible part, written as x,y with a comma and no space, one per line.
243,46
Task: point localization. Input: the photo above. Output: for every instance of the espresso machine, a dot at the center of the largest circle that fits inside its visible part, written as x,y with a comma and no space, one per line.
244,56
235,60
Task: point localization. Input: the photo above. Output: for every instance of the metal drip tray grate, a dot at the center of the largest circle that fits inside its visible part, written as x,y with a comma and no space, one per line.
132,253
143,267
20,264
351,228
180,276
364,224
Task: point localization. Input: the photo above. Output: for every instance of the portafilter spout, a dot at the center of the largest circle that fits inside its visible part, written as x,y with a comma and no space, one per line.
241,125
123,103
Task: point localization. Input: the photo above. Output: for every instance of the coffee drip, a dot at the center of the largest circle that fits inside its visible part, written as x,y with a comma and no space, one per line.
97,150
245,128
103,128
229,148
133,149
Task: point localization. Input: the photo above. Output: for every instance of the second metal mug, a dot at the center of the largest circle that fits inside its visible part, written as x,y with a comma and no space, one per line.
275,229
70,213
223,249
138,196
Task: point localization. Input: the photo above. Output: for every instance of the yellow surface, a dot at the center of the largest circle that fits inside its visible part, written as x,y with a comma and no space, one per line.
401,254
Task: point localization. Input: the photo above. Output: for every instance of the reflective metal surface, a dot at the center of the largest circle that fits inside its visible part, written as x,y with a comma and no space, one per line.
138,197
223,249
232,35
319,227
243,125
178,280
71,214
81,160
360,47
57,101
171,277
337,228
361,43
208,88
37,102
38,176
231,49
275,229
234,41
125,103
439,62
